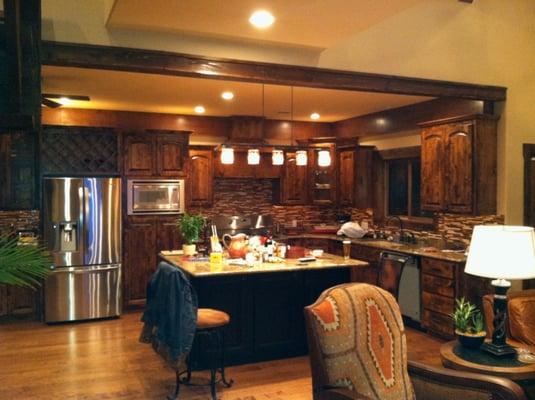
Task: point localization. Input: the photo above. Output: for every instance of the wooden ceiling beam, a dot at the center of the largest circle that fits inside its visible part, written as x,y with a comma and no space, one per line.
166,63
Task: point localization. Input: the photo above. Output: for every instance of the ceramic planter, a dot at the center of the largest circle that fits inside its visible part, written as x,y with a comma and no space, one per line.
189,249
471,340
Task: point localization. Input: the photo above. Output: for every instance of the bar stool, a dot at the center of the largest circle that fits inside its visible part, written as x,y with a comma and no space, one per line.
210,325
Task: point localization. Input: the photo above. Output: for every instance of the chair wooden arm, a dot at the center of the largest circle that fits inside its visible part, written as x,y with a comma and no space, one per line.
339,394
446,384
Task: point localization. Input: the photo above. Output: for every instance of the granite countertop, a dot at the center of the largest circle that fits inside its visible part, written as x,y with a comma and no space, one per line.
406,248
204,268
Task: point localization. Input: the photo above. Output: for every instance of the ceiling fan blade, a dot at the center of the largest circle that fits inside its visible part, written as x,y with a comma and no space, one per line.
69,96
50,103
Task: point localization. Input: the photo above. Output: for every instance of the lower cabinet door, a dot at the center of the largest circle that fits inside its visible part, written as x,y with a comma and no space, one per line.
139,261
278,316
233,295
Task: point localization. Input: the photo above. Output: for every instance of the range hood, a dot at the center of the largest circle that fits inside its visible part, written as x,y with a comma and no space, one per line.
246,130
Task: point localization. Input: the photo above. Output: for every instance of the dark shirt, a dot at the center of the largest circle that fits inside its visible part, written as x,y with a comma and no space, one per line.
171,310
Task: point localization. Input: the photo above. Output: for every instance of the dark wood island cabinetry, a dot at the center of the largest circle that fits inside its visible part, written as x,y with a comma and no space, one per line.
265,303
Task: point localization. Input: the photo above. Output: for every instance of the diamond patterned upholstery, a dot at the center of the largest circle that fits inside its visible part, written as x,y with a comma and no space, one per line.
362,341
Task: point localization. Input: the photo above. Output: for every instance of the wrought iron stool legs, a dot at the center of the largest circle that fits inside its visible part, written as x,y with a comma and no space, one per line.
216,363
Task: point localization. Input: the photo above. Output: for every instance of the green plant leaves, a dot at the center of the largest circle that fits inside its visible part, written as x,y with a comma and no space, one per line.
190,225
22,265
467,317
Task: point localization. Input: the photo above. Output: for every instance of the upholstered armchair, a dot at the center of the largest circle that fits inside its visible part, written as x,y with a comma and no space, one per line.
520,314
358,350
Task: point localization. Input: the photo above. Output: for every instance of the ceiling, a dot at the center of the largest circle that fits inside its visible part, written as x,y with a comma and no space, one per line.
310,23
131,91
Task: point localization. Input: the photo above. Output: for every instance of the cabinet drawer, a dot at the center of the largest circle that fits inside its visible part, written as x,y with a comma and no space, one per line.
365,253
437,322
439,285
445,269
436,302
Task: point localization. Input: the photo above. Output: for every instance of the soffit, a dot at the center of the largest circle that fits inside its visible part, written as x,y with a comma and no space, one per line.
132,91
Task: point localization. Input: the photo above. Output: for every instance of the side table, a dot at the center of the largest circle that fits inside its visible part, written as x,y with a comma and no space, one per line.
457,357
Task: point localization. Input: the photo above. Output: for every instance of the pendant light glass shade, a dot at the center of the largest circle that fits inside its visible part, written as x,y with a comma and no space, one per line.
253,156
277,157
227,155
301,157
324,158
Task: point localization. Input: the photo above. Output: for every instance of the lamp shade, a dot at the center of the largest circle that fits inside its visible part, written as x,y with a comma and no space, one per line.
502,252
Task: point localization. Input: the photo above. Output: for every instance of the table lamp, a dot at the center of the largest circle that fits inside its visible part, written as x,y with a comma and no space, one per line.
501,252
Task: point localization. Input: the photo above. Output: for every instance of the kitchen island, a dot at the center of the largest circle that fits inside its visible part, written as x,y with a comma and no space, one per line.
265,302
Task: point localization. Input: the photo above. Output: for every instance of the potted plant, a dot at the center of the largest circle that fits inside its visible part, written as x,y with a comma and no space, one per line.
22,265
190,225
469,324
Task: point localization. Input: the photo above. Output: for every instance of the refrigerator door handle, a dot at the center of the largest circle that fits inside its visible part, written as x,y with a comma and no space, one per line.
85,270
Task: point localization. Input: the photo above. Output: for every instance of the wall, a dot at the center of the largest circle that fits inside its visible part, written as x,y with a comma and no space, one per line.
85,22
486,42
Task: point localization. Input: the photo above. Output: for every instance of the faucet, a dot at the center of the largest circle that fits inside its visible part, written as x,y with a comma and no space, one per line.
400,225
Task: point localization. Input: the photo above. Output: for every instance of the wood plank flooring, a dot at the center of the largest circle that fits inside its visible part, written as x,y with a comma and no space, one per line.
104,360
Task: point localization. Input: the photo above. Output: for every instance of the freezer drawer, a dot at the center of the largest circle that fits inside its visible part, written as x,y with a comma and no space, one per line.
79,293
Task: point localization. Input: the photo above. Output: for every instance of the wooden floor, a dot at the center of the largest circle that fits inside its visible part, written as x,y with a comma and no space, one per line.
104,360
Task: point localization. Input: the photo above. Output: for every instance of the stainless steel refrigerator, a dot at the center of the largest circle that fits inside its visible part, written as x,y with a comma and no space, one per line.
82,230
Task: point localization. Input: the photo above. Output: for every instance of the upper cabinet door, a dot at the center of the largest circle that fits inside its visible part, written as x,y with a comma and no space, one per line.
322,179
139,152
293,182
459,167
200,181
346,177
170,151
432,182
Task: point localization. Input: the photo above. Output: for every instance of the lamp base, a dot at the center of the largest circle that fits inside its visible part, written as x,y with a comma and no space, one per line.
498,350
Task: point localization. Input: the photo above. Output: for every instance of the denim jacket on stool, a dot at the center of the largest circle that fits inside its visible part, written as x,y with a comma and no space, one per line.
171,312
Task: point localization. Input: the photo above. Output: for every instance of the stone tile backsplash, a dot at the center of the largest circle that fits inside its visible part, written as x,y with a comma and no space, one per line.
251,196
19,220
255,196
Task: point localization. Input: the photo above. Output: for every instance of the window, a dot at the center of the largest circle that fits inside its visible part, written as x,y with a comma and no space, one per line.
403,182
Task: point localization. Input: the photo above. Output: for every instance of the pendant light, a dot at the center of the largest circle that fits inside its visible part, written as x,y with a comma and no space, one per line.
324,158
253,156
301,158
227,155
277,157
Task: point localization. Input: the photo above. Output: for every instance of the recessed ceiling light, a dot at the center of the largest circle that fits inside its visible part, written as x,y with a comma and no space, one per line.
314,116
199,109
227,95
262,19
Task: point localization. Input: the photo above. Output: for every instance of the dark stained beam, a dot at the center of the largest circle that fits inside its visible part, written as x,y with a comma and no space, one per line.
467,1
407,117
166,63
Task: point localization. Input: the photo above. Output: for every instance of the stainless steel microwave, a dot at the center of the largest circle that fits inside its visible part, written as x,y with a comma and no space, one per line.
155,196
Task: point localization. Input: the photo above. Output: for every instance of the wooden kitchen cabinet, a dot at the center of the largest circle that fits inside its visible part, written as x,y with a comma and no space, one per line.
346,177
439,289
322,180
139,155
144,237
171,152
459,164
155,153
372,256
200,177
355,176
293,182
